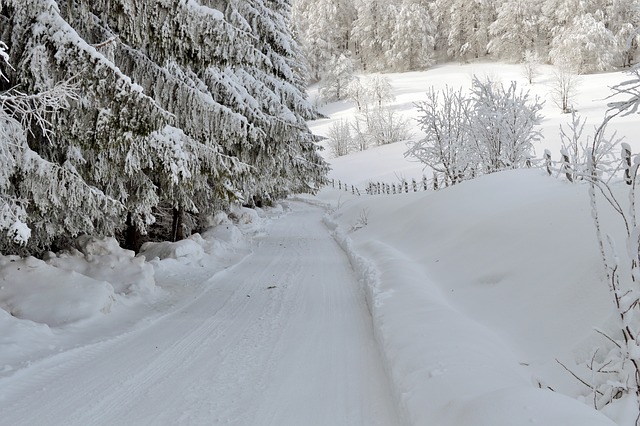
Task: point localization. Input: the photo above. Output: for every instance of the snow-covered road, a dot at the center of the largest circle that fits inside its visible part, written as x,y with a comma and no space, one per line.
283,338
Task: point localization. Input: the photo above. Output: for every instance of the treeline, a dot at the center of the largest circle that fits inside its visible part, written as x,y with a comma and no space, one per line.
581,36
130,117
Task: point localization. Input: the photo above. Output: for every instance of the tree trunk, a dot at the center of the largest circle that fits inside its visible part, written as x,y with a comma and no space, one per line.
177,231
132,235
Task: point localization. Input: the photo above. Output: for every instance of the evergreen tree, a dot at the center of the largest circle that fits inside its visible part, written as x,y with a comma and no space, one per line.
168,109
411,42
584,46
516,29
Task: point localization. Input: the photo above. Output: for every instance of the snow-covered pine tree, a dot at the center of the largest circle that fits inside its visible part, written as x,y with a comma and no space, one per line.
585,45
516,29
467,27
153,124
323,28
371,30
411,42
285,156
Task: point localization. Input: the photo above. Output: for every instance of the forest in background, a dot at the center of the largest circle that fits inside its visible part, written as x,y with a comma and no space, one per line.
133,118
580,36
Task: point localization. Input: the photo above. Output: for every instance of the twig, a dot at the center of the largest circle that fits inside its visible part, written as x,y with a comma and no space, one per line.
578,378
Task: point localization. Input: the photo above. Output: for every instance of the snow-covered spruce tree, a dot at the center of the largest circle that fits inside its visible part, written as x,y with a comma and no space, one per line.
336,81
33,189
285,156
371,33
585,45
167,138
323,28
467,26
623,17
516,29
411,42
47,50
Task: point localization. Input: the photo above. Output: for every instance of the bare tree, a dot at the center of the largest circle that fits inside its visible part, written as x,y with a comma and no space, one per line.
564,88
446,145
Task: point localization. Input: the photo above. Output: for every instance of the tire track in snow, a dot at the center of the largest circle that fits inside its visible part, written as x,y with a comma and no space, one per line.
301,353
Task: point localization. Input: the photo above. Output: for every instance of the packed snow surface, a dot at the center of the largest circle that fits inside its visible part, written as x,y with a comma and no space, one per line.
442,308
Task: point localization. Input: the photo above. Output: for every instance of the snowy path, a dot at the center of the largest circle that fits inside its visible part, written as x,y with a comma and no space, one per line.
283,338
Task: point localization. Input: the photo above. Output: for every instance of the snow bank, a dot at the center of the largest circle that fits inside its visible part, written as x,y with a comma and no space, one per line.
186,251
445,368
460,305
227,233
33,290
104,260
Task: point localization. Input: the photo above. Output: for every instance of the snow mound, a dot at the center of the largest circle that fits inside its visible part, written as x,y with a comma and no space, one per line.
225,233
33,290
476,291
18,337
186,251
104,260
440,379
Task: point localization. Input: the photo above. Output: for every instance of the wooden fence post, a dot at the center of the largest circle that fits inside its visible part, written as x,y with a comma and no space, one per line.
547,161
626,158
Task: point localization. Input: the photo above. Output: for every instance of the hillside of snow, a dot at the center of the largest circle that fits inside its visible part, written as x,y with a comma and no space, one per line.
510,258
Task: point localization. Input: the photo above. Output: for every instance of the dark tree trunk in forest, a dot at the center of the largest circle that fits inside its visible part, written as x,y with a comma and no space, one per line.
132,235
177,231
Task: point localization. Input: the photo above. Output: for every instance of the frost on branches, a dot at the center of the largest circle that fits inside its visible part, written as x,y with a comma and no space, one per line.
178,106
492,129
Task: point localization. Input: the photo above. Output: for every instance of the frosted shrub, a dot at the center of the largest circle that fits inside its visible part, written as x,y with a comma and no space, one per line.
336,80
386,126
340,140
446,147
503,124
491,130
530,65
615,366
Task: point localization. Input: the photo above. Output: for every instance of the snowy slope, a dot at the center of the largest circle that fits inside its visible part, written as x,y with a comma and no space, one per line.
477,289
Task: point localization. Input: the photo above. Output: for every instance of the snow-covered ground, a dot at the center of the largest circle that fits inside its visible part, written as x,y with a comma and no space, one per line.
427,308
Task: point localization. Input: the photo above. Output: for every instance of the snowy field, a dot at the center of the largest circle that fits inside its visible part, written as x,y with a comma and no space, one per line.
442,308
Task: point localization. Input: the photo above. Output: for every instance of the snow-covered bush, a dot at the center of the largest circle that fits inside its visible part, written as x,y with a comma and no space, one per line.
446,147
490,130
614,367
380,90
597,153
340,140
502,124
385,126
